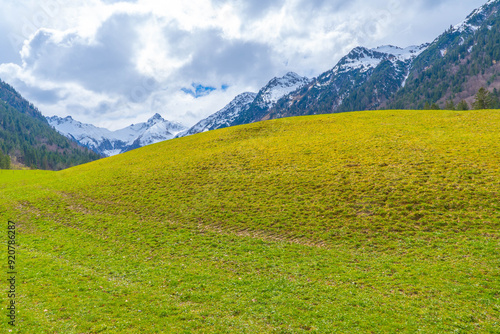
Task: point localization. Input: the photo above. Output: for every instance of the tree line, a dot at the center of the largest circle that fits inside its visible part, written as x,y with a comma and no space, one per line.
482,100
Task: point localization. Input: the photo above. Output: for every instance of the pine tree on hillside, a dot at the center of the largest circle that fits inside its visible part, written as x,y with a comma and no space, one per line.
495,96
483,99
462,105
4,161
435,106
450,105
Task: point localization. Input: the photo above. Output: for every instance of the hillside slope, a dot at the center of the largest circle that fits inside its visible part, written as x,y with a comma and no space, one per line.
382,221
28,139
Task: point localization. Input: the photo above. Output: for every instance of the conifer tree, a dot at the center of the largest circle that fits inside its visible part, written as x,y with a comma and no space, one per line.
483,99
495,96
4,161
450,105
434,106
462,105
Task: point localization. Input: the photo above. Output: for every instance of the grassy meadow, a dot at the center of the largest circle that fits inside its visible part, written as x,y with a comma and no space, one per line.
364,222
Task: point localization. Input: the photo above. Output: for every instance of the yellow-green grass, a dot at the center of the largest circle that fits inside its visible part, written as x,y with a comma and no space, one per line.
366,222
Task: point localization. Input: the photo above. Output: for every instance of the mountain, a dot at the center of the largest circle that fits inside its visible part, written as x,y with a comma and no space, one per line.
450,69
457,63
27,139
108,143
250,107
363,79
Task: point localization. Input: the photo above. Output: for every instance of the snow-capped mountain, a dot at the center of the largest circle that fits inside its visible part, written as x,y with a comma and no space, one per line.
108,143
279,87
363,79
250,107
453,67
474,21
224,117
363,60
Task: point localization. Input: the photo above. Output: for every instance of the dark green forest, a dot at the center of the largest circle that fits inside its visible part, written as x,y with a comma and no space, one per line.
25,136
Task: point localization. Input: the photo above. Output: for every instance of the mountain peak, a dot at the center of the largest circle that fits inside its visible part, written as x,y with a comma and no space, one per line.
477,17
245,96
364,59
292,75
156,117
107,143
224,117
279,87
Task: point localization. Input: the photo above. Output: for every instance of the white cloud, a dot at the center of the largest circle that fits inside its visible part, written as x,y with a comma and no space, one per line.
113,63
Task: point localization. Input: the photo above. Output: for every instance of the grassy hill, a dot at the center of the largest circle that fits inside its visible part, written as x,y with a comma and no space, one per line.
366,222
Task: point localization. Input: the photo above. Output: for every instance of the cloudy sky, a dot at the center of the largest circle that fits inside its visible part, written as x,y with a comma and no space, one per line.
113,63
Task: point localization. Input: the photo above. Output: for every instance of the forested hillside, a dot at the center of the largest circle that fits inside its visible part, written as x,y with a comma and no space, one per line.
457,64
26,137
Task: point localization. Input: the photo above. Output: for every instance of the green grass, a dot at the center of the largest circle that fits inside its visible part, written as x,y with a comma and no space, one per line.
366,222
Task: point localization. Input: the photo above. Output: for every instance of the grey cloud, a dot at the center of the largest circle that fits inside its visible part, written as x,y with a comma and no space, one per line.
33,93
105,66
42,95
255,8
228,60
325,6
118,1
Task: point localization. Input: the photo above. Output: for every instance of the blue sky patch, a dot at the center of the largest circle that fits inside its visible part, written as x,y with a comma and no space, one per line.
198,90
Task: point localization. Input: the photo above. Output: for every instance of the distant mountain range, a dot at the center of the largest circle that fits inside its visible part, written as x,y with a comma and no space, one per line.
108,143
376,73
445,72
363,79
463,59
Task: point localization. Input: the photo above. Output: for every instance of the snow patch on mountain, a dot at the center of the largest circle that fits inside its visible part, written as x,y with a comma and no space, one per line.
402,54
474,21
364,60
108,143
359,58
157,129
279,87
